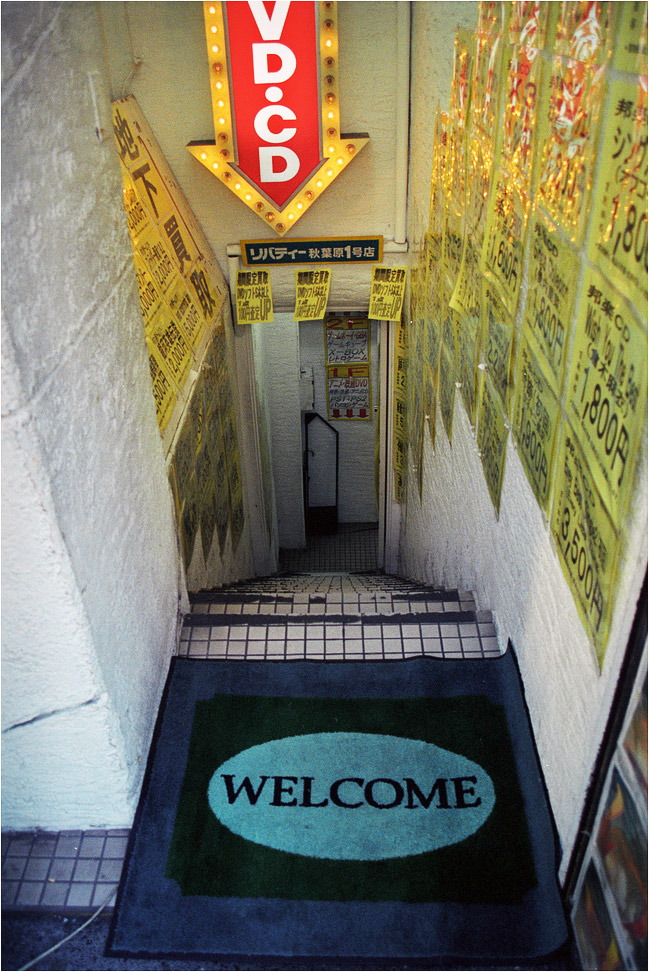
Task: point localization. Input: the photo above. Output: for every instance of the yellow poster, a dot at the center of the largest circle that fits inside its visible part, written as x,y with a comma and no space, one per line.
458,116
447,391
549,308
523,84
399,486
439,176
387,293
585,541
528,23
150,297
536,415
569,126
137,219
607,389
430,402
312,294
254,297
504,244
618,242
631,48
434,309
492,440
349,393
185,312
584,30
171,346
453,246
347,340
498,344
164,391
467,344
487,79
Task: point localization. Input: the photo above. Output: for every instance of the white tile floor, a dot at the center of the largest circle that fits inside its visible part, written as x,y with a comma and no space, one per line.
326,617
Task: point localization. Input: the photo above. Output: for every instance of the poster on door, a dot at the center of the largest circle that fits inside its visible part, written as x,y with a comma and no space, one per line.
254,298
349,394
347,340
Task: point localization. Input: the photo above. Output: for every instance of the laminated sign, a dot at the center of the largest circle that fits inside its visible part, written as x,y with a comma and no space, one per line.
535,418
254,297
554,268
312,294
349,392
347,340
504,243
607,390
498,344
618,243
586,541
180,285
387,293
492,440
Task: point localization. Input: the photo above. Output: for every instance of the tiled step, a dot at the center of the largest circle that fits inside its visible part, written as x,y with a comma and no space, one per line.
355,603
326,582
460,634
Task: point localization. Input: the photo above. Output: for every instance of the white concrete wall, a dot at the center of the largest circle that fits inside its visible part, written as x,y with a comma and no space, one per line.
357,439
453,537
90,565
277,367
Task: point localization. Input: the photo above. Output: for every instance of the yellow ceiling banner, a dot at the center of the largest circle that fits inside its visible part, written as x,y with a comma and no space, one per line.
311,294
254,298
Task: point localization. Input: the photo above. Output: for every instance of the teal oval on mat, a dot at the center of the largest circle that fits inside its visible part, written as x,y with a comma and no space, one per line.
351,795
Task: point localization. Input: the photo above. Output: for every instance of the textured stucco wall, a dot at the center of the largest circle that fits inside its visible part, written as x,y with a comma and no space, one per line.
453,538
277,367
90,522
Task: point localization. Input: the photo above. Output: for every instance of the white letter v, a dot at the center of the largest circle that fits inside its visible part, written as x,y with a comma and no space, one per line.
270,28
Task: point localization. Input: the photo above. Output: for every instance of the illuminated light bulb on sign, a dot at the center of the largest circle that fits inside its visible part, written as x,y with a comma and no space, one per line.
276,87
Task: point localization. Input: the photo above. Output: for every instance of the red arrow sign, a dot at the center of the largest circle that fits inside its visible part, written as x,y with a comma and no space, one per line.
275,99
273,69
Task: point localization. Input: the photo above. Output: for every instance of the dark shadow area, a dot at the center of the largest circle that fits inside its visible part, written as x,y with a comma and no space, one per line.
352,547
24,936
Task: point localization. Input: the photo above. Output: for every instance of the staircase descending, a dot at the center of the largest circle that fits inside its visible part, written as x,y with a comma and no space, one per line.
335,617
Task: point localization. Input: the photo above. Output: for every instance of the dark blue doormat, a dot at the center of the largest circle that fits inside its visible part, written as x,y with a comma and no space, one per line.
352,809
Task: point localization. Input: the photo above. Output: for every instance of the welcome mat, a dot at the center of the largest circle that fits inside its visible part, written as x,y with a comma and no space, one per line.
370,809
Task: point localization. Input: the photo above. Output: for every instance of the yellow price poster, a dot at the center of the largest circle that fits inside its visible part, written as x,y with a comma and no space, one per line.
311,294
164,391
585,540
399,486
631,49
467,344
347,340
150,298
528,23
549,308
349,392
400,418
185,311
158,262
504,244
447,391
430,401
498,344
400,453
172,348
254,297
492,441
137,219
584,31
453,247
618,243
607,389
519,124
536,415
567,149
486,82
387,293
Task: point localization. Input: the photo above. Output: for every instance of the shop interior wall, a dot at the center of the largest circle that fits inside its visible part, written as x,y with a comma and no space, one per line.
357,439
277,370
91,566
453,537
